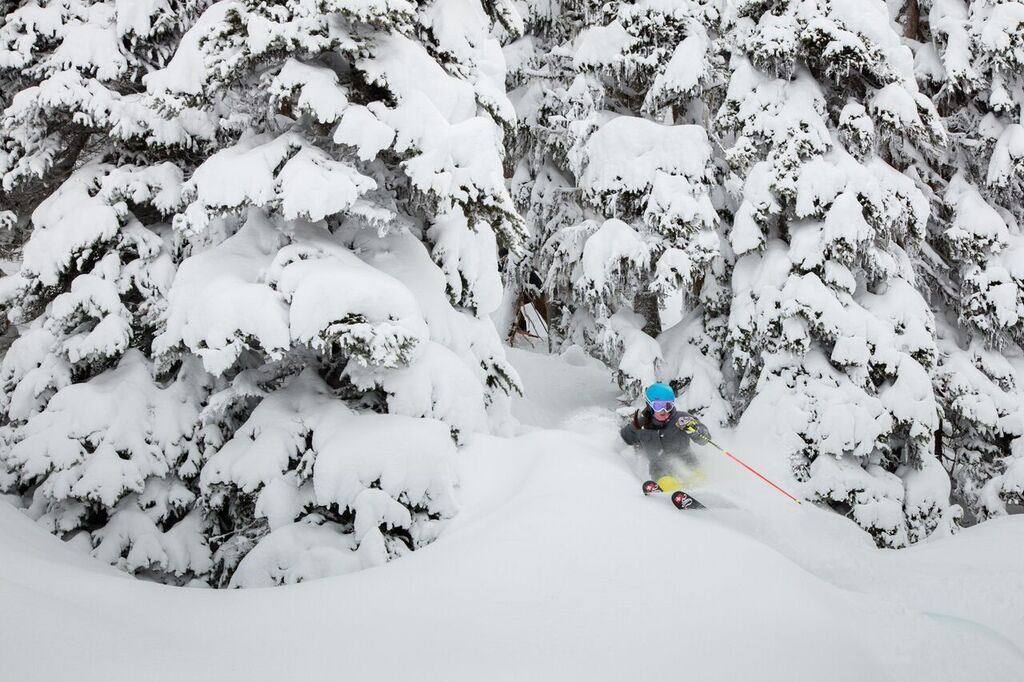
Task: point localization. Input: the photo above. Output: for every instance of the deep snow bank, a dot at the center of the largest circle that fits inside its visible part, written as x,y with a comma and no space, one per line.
557,568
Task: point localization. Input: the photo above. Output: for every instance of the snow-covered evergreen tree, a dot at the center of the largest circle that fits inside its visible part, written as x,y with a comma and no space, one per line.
281,253
616,179
967,58
98,443
826,320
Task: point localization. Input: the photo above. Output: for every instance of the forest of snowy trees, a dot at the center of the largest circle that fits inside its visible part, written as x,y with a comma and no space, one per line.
267,253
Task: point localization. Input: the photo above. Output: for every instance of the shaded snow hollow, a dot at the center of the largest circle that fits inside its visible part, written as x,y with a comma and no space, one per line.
556,568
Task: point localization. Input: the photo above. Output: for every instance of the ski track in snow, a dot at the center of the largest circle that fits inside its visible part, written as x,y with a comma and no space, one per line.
556,568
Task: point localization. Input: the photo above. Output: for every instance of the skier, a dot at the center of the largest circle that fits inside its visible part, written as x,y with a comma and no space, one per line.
665,435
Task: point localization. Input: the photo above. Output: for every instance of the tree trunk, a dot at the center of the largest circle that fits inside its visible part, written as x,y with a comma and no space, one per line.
645,303
912,20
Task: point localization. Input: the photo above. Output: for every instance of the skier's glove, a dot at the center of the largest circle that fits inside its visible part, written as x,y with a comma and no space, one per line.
694,428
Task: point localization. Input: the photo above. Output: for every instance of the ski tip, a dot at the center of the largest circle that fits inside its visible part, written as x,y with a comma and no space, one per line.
682,500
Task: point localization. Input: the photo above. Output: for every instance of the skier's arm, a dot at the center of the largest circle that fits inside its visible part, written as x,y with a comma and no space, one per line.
628,433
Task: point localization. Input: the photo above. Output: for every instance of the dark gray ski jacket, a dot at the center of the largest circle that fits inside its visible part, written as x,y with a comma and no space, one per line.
659,440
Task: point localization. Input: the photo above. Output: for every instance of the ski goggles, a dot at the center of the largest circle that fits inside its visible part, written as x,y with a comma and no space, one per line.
661,405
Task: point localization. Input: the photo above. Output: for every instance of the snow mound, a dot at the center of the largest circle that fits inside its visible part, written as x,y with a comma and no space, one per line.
565,573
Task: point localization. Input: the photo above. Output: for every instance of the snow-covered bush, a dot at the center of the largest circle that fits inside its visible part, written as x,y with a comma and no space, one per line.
255,317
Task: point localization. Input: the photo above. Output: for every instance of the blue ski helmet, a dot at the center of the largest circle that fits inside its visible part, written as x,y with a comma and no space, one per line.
659,391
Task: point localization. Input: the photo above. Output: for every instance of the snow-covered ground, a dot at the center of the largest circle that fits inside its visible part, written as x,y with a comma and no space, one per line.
556,568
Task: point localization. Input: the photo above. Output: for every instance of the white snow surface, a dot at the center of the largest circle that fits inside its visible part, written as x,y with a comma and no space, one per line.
555,568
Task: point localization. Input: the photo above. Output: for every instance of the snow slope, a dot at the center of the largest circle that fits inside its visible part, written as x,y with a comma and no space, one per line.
556,568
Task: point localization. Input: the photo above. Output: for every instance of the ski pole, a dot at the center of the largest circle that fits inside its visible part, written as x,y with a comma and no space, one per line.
748,467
